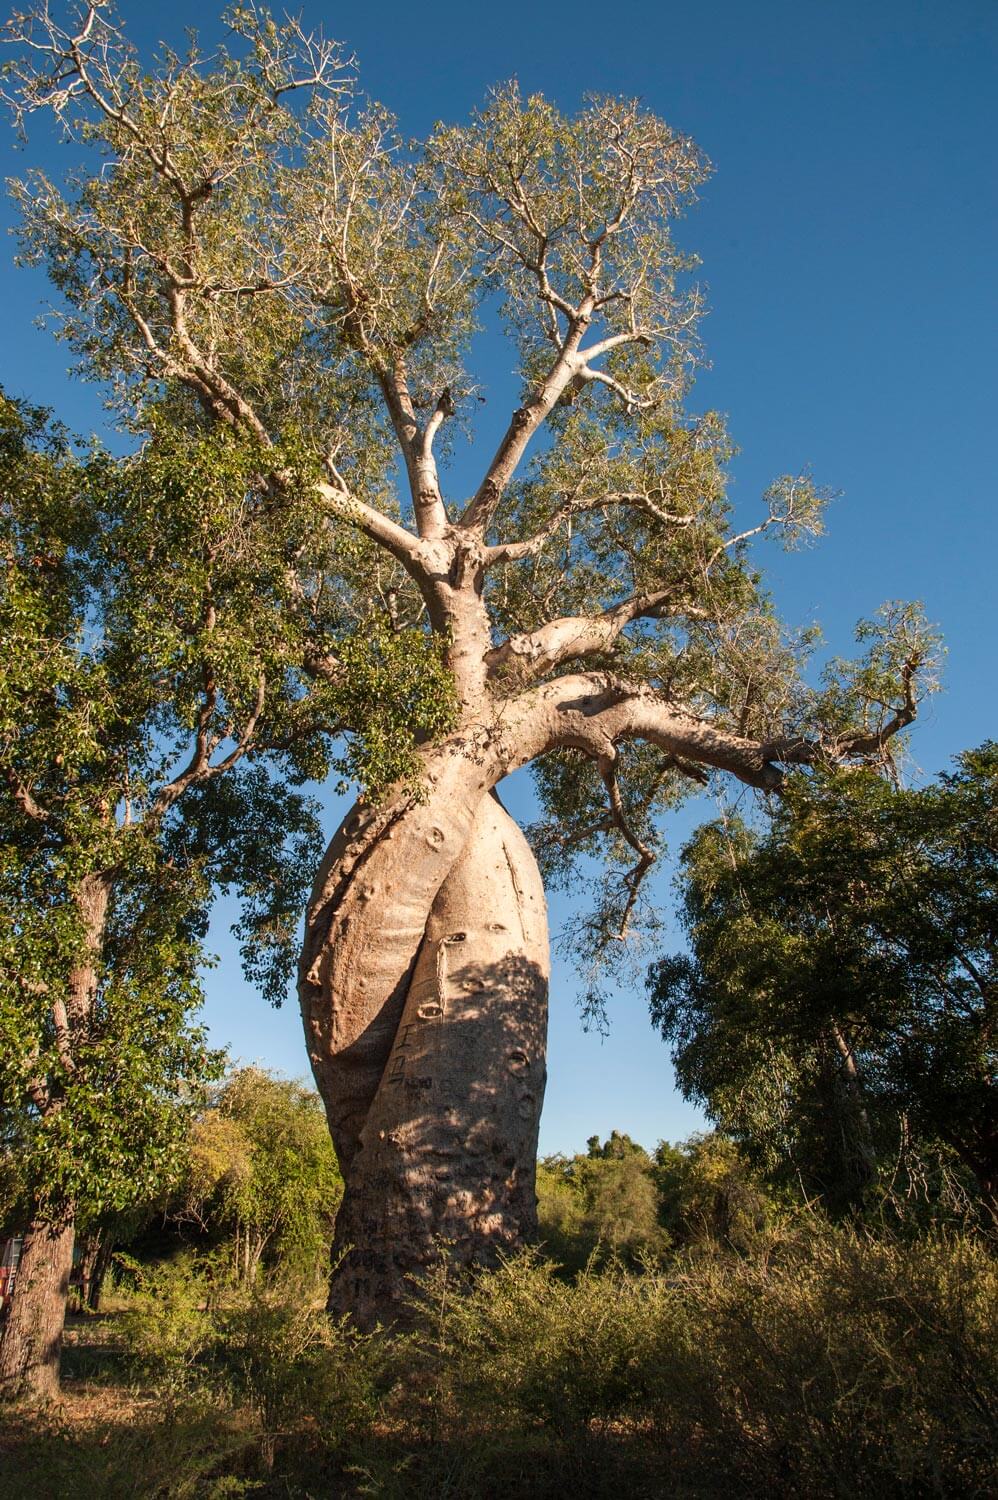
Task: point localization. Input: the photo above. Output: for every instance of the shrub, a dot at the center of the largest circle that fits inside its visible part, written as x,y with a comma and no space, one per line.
309,1380
272,1353
827,1364
823,1363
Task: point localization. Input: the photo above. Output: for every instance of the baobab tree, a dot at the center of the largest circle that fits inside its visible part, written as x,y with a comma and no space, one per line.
262,238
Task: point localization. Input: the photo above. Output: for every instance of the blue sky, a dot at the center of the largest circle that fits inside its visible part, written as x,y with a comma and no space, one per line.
848,239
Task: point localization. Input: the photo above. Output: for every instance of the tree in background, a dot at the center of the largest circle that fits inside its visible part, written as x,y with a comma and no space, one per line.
261,1171
602,1204
619,1203
263,244
709,1193
840,1001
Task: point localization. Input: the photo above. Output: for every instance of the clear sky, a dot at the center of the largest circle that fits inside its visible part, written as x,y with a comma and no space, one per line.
848,240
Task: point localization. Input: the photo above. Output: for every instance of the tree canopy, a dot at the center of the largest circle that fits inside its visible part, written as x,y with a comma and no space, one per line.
839,1003
263,244
260,1169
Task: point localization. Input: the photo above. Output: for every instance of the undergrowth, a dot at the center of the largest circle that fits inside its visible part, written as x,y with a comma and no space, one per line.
824,1364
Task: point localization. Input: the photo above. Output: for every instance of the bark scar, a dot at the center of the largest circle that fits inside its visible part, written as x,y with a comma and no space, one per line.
517,891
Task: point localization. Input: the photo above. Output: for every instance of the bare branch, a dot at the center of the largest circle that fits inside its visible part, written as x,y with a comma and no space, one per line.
525,422
578,504
631,400
199,768
646,856
866,743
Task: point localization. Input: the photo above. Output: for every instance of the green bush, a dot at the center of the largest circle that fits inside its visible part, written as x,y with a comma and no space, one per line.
820,1363
827,1364
836,1365
272,1353
310,1381
166,1323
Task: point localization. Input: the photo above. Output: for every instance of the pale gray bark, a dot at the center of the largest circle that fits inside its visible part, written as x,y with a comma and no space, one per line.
446,1154
428,1048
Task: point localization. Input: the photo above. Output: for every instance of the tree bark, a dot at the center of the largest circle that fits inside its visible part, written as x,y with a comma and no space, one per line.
365,924
31,1338
99,1266
446,1155
864,1145
31,1334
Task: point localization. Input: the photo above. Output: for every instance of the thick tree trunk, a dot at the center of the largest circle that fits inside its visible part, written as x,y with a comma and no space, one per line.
31,1333
430,1066
446,1154
365,924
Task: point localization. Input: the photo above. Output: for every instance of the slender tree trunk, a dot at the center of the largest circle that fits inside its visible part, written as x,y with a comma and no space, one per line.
865,1151
446,1154
31,1339
99,1269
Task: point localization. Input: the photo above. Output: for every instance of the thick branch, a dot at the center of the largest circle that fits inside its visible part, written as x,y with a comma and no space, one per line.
525,422
25,801
431,515
339,502
535,653
593,712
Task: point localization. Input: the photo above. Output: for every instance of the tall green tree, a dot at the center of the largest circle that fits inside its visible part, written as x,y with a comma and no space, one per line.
105,881
841,994
153,650
262,239
603,1203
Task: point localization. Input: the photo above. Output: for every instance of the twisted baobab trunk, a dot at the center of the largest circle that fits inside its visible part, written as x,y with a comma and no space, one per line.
446,1149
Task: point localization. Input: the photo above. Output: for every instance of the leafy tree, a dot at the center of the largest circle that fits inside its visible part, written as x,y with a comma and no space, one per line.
262,244
616,1201
840,1000
152,654
708,1191
603,1203
261,1169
